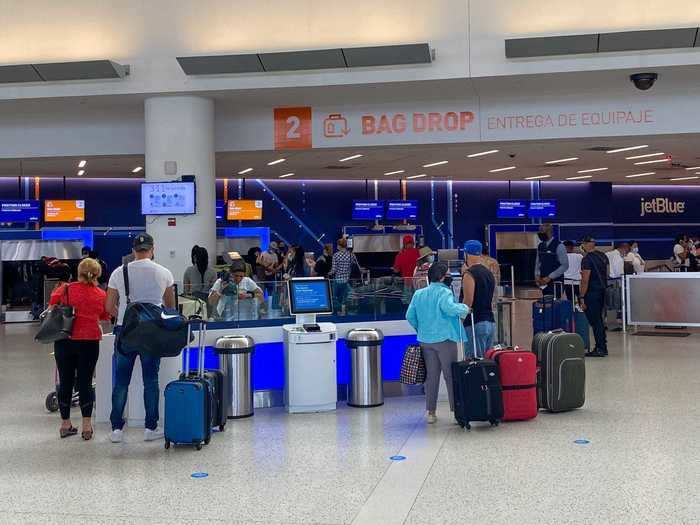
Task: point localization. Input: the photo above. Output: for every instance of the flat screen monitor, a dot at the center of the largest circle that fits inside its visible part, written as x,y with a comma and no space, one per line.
168,198
245,210
511,209
64,211
310,295
367,210
543,209
220,209
402,210
20,211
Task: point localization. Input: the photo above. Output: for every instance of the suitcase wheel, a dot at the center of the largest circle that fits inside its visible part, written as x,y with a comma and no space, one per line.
198,446
167,445
222,428
495,423
51,402
206,442
467,426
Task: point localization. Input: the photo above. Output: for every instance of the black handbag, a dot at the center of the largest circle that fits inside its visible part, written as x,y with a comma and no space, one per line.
56,324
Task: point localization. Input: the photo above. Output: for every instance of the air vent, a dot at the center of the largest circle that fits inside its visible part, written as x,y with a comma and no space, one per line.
601,148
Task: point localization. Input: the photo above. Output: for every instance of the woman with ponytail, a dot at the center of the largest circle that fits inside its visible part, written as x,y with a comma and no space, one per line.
76,357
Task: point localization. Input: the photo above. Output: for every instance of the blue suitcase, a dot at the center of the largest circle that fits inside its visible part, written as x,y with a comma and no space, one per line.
583,328
549,314
188,404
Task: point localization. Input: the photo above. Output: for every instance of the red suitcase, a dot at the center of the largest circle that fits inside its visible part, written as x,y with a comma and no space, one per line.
518,372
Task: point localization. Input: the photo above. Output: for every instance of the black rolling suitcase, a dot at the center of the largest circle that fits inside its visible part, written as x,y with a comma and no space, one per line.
561,382
476,389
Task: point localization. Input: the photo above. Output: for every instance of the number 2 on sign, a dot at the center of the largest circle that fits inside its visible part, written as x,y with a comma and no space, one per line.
293,128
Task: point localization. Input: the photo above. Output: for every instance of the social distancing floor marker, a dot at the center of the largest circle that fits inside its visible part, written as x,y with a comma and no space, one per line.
582,442
397,458
197,475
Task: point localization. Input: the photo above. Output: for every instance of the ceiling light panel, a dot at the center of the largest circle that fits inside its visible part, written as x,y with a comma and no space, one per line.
684,178
432,165
397,172
275,162
593,170
651,162
286,175
482,153
648,155
82,163
637,175
247,170
580,177
417,176
136,169
560,161
498,170
538,177
629,148
351,157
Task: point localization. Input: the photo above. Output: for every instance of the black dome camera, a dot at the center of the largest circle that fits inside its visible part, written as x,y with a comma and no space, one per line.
644,81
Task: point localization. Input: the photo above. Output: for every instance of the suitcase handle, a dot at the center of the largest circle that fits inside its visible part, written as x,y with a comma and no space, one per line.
460,349
201,344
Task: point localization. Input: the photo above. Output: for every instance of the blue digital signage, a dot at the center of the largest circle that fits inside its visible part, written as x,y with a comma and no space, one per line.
367,210
220,210
20,211
543,209
511,209
402,210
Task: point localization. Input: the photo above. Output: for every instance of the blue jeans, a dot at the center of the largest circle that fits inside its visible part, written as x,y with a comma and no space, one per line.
123,366
485,331
341,291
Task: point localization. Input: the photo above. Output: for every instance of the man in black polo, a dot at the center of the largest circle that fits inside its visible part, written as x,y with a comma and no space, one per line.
594,281
552,261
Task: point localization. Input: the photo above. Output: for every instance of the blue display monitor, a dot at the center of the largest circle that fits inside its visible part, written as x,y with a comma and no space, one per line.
311,295
168,198
20,211
220,210
402,210
542,209
367,210
511,209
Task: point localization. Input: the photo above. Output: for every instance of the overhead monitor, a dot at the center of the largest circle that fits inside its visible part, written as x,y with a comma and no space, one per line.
511,209
542,209
245,210
367,210
220,210
20,211
168,198
64,211
310,295
402,210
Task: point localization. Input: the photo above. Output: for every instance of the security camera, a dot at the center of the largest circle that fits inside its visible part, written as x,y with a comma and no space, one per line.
644,81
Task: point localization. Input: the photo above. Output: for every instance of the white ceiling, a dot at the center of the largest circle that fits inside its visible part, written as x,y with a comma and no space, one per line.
529,157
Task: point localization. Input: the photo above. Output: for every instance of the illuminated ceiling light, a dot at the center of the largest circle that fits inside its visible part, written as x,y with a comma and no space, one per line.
651,162
537,177
436,164
395,172
247,170
137,169
351,157
81,173
82,163
417,176
694,168
580,177
640,175
278,161
286,175
685,178
631,148
559,161
591,170
645,156
481,154
502,169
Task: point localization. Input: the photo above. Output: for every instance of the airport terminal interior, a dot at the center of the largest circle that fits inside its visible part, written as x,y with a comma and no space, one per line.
298,262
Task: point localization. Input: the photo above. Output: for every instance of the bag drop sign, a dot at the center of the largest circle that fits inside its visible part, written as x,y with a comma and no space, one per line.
417,122
661,206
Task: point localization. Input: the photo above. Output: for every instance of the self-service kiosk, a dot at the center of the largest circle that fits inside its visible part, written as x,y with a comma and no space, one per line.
309,348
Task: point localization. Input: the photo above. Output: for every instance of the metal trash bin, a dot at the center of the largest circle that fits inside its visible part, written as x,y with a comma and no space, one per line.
235,363
366,388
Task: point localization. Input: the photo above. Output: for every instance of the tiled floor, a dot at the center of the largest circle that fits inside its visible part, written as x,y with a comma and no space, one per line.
642,418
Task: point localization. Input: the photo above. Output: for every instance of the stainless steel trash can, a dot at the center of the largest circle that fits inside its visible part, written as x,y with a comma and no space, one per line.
366,388
235,363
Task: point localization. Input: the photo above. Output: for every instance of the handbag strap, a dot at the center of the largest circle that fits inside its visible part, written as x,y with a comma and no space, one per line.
125,271
65,294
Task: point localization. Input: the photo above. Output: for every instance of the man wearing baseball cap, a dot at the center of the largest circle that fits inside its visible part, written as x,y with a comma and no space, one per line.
594,282
151,283
478,286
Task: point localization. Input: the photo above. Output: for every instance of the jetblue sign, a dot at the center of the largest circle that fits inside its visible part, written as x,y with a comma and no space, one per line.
661,206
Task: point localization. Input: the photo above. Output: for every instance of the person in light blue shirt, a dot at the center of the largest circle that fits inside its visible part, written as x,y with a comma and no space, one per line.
436,315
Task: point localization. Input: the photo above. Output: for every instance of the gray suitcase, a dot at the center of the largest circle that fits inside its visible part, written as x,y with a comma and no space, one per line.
561,382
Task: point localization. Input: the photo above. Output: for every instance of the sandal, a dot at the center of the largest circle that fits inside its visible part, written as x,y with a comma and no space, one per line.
67,432
87,435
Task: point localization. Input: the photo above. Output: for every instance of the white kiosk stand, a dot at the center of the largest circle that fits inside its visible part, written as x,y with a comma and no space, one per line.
309,348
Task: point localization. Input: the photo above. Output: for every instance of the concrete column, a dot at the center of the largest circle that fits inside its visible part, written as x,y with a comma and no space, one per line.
181,129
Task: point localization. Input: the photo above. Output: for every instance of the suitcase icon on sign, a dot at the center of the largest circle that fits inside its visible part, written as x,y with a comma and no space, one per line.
335,126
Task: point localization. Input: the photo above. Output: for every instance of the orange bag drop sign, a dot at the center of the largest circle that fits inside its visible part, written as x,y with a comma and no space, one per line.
244,210
293,128
64,211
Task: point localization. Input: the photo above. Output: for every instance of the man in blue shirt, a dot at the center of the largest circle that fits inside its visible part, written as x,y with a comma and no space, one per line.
435,315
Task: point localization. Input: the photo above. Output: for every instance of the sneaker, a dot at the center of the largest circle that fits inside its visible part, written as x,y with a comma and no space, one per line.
152,435
117,435
432,418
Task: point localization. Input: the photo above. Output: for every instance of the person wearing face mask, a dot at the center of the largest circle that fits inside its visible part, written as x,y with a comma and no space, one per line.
551,262
633,257
435,316
420,274
478,285
325,261
594,282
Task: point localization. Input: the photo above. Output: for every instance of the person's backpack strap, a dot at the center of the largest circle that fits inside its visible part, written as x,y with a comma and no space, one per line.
125,271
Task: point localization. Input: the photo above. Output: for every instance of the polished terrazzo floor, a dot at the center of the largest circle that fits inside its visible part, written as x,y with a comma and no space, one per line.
641,465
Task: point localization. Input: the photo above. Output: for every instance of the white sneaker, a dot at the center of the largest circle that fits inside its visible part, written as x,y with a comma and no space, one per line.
152,435
117,436
432,418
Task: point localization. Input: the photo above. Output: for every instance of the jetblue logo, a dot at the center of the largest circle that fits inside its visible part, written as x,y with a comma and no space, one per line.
661,205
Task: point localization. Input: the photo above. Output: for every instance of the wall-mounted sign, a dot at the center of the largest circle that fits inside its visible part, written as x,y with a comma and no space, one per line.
661,206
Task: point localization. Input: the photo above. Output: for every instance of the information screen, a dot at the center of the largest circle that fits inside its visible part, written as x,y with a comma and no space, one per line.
402,210
542,209
20,211
310,296
64,211
367,210
511,209
245,210
220,209
168,198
